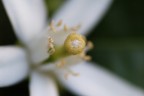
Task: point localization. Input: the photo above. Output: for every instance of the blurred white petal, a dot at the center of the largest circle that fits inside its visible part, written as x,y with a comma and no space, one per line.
27,16
42,85
29,21
13,65
39,48
85,12
96,81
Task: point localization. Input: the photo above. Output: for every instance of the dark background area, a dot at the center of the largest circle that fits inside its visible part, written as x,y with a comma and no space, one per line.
118,40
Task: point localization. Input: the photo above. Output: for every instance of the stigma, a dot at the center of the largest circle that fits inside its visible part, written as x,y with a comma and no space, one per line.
74,43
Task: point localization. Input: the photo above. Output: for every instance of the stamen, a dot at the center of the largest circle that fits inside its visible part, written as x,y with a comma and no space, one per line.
66,28
76,28
52,26
51,48
59,23
85,57
90,45
70,72
61,63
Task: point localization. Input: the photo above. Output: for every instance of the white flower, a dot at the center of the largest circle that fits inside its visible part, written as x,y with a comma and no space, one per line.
28,18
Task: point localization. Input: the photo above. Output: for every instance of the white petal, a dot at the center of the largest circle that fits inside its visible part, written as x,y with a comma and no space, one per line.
96,81
13,65
85,12
29,21
42,85
39,48
27,16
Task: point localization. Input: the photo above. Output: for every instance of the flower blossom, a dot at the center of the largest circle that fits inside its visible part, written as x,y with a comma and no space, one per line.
40,55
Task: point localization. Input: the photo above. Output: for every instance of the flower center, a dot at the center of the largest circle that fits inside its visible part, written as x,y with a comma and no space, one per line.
73,45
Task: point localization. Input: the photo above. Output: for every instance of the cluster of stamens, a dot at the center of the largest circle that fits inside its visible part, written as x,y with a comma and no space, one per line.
74,44
51,48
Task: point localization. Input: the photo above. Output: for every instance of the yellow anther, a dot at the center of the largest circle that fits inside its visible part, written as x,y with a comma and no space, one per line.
85,57
75,28
52,28
74,44
70,72
51,48
90,45
61,63
50,40
59,23
66,28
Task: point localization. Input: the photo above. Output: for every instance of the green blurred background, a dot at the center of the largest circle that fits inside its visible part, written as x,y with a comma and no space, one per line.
118,40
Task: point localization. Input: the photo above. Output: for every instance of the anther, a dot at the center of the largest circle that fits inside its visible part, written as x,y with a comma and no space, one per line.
61,63
70,72
85,57
90,45
52,26
76,28
66,28
59,23
51,48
